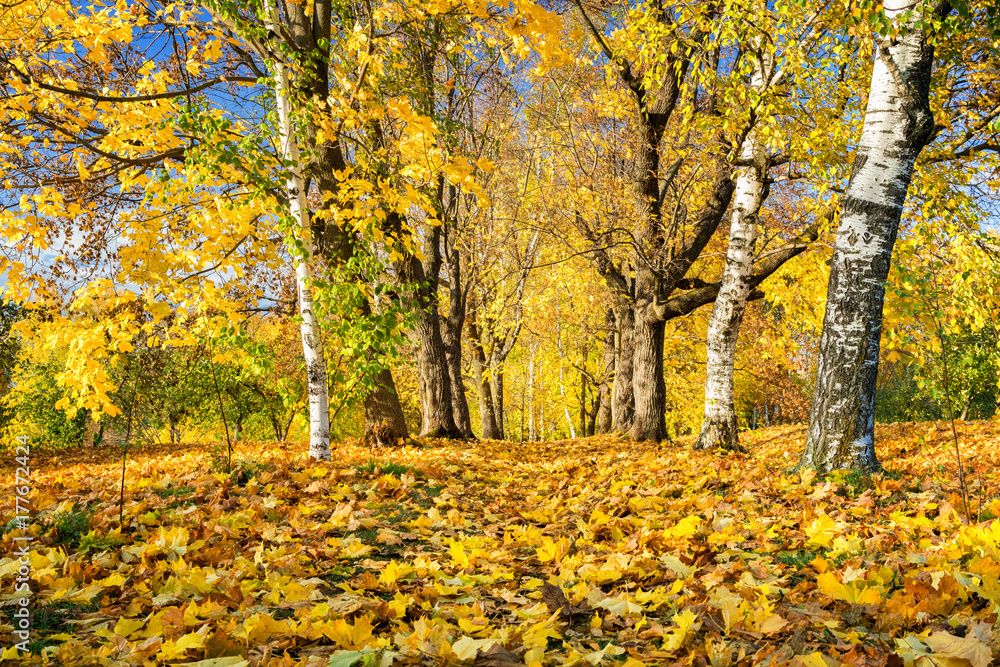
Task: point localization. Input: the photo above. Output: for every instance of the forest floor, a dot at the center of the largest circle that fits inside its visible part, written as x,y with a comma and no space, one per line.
592,551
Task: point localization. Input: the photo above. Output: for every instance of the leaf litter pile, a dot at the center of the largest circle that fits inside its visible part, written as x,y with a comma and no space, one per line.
595,551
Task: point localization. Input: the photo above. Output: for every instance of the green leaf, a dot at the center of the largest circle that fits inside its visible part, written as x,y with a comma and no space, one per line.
364,657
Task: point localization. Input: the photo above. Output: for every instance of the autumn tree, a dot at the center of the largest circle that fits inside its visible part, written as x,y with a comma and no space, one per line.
899,123
681,66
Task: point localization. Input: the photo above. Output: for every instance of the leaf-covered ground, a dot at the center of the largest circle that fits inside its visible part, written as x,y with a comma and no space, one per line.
580,552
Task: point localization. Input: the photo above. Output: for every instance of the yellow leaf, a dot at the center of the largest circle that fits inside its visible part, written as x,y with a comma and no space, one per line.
619,607
943,644
457,553
231,661
856,592
822,531
393,572
686,625
467,647
685,527
552,551
814,659
539,634
126,626
174,649
771,624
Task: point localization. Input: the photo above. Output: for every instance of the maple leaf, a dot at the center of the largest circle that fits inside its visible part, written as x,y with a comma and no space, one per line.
550,551
855,592
822,530
466,647
687,625
619,606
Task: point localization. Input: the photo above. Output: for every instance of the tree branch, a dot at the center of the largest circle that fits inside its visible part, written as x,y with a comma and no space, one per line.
87,95
765,265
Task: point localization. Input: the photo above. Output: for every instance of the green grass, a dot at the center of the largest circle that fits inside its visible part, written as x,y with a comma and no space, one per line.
51,619
426,498
338,574
179,493
854,483
392,512
71,526
372,467
796,559
366,535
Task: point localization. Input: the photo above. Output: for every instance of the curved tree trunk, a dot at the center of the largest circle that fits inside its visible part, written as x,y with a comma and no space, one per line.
452,337
437,418
898,123
720,427
175,428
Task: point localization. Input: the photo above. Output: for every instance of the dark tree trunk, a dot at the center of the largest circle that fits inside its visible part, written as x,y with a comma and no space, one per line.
434,379
487,413
384,422
175,429
622,396
898,123
595,407
452,337
238,428
496,390
383,411
649,422
606,374
459,400
437,418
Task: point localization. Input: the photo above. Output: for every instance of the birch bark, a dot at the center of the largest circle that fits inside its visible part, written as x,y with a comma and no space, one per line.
312,341
720,427
898,123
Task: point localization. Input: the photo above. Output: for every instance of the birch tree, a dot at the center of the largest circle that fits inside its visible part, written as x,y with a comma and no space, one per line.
298,212
898,124
721,427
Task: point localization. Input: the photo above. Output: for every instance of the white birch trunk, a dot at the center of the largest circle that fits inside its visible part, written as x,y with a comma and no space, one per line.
720,427
312,341
898,123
